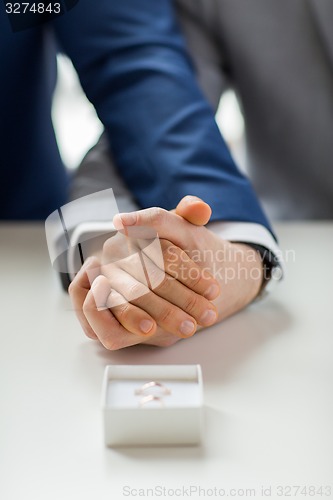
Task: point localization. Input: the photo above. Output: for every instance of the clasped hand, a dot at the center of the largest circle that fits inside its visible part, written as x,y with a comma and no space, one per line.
158,280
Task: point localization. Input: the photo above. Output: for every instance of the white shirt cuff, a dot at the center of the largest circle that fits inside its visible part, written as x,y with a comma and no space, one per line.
249,232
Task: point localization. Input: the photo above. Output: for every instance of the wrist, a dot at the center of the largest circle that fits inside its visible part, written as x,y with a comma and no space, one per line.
240,276
250,270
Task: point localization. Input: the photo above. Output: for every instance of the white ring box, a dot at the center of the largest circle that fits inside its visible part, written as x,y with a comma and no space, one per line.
154,416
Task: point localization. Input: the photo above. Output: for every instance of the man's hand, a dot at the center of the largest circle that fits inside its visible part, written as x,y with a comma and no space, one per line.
131,295
237,267
121,310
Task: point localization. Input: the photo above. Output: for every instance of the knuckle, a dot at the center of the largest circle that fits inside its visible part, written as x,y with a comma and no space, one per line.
87,305
136,290
171,253
166,315
192,303
194,279
155,276
183,255
115,299
72,288
107,245
160,282
156,215
122,313
89,334
111,251
111,344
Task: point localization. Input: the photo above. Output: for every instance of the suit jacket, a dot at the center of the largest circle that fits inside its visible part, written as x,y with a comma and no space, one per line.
278,56
133,66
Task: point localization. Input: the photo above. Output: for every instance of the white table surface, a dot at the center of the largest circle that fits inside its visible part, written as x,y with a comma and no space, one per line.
268,376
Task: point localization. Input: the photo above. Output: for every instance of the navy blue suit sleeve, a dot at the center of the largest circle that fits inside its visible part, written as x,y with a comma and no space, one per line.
133,65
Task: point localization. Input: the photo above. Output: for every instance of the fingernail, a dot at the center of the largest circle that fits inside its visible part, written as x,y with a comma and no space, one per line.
146,325
128,219
212,292
208,317
187,327
190,199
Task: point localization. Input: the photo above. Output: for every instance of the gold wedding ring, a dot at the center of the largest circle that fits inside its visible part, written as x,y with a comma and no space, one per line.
164,391
148,399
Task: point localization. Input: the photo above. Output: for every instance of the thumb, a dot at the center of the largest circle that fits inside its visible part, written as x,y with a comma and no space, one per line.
194,210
